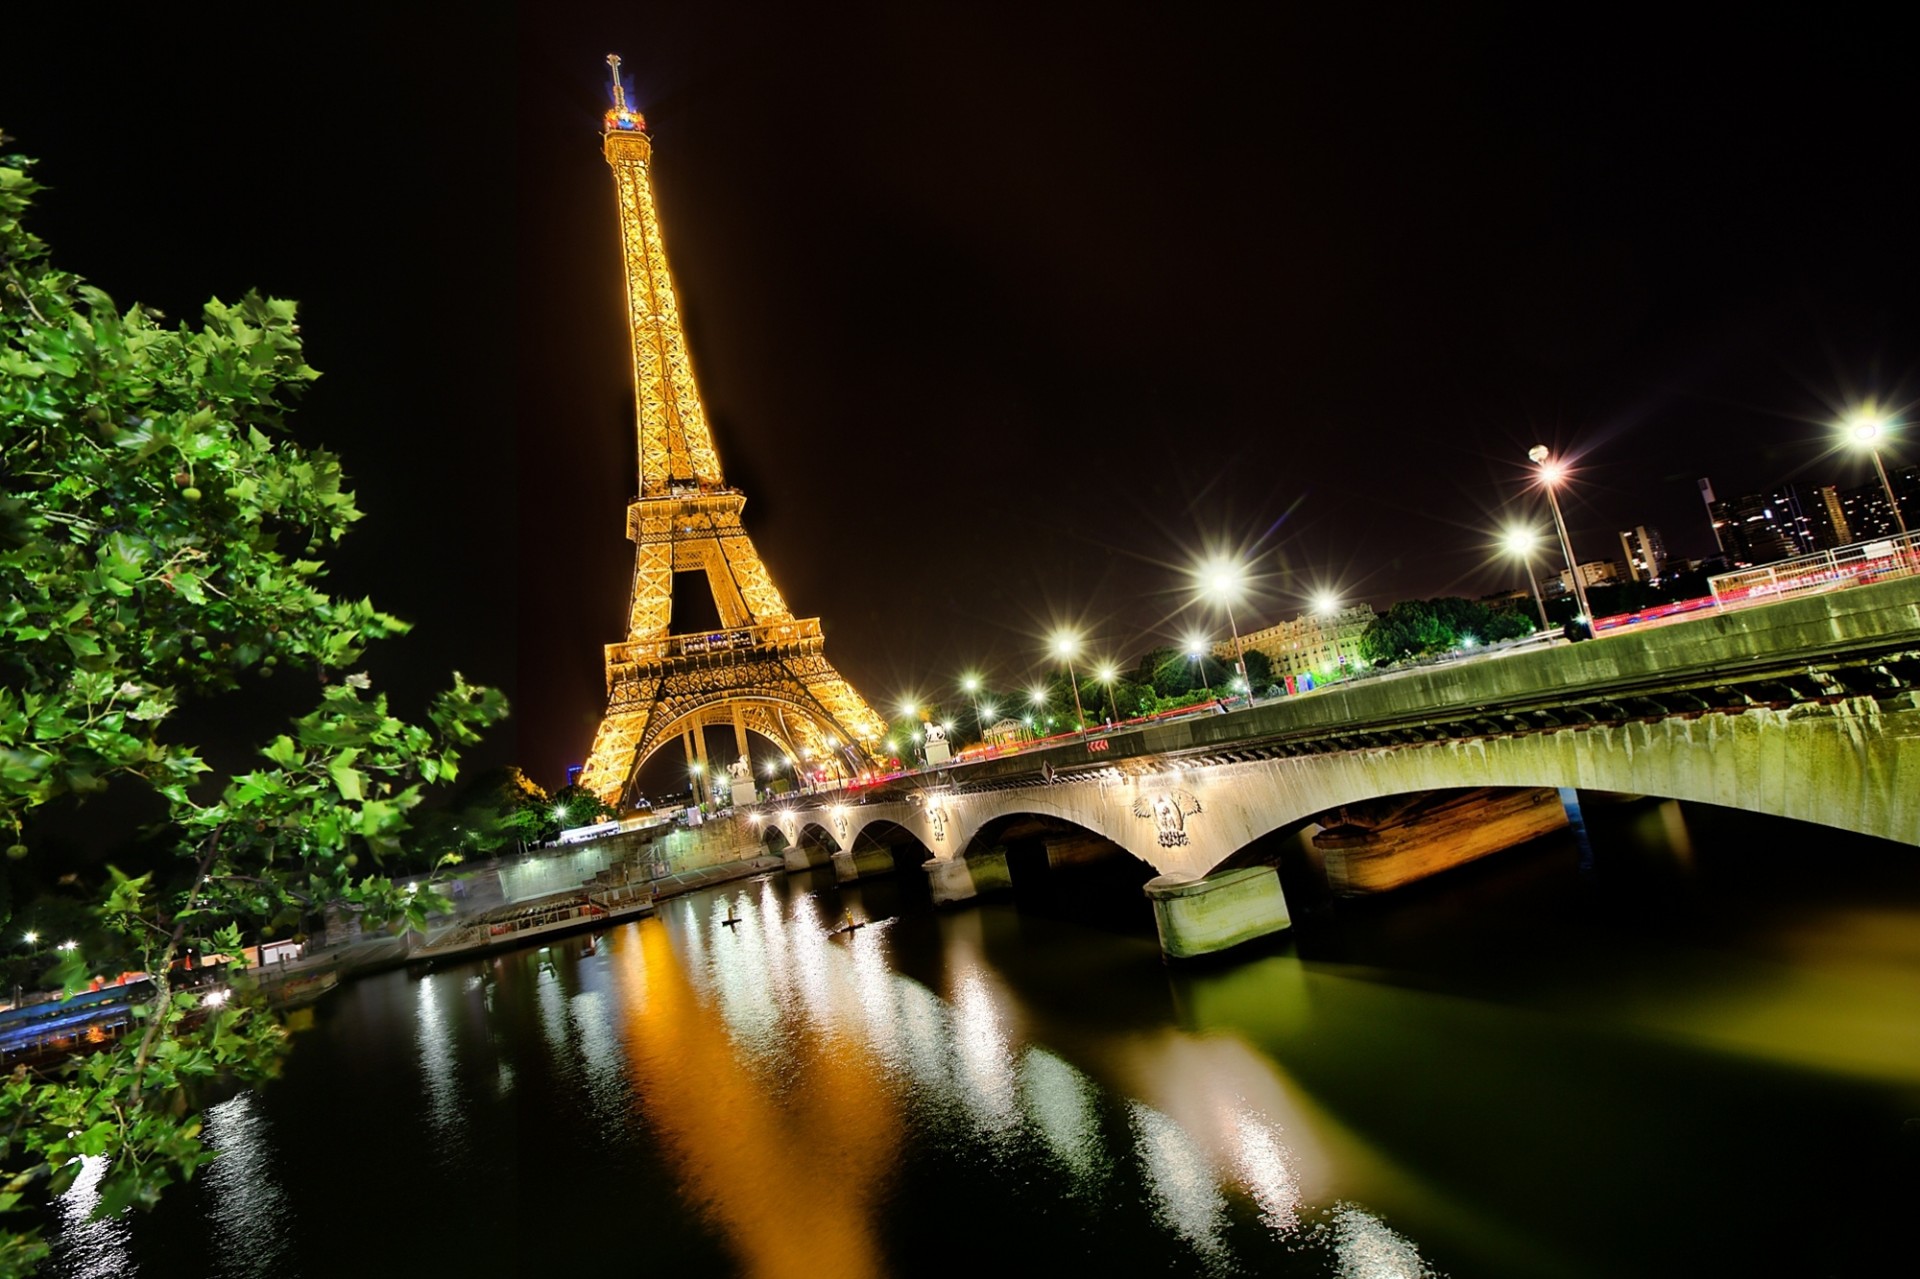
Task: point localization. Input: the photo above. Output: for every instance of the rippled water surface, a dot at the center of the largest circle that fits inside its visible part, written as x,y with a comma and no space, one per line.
1702,1059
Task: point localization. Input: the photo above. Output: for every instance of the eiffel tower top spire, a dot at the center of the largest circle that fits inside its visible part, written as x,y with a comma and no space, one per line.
676,448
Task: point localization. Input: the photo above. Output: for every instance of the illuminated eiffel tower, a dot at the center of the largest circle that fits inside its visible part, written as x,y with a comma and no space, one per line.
764,671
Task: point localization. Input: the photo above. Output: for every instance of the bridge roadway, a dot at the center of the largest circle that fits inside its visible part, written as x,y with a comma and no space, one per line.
1806,708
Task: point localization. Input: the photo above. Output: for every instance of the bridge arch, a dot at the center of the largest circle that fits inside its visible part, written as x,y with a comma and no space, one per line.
905,848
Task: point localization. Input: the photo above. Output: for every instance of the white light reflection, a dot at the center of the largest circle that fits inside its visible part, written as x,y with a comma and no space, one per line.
1266,1167
1178,1176
600,1059
252,1216
739,963
435,1042
986,1061
1059,1101
553,1012
1364,1247
88,1249
807,942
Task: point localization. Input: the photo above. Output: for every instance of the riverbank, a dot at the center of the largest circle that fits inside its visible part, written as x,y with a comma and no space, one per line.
362,956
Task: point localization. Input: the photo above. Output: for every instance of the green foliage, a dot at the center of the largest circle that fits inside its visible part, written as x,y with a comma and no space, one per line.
1417,628
161,538
1177,678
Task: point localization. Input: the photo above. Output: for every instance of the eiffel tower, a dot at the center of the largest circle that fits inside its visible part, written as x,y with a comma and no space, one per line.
765,671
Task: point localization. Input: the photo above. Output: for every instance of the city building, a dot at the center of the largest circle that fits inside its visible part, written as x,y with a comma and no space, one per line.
1827,518
1645,553
1759,528
1592,573
1311,644
1867,513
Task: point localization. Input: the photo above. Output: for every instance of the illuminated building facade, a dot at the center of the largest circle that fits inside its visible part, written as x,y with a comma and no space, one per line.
1314,644
764,671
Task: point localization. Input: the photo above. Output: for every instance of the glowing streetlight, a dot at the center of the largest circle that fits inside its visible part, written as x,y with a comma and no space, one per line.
1551,473
68,945
1223,582
1867,430
971,683
1197,650
1521,542
1065,646
32,938
1106,675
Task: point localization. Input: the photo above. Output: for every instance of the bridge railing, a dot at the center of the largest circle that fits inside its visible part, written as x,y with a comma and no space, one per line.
1877,561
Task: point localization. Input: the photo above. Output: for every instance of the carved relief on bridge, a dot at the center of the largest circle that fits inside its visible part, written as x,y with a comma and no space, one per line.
1169,811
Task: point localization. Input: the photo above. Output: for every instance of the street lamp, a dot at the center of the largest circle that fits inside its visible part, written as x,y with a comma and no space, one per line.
1867,431
1197,650
971,684
1065,646
1325,603
1550,475
1106,675
1521,542
1223,581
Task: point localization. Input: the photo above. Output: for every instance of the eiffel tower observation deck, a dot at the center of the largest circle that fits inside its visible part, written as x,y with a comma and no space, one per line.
765,671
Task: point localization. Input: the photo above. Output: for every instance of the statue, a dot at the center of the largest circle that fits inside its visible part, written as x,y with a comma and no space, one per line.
935,733
741,769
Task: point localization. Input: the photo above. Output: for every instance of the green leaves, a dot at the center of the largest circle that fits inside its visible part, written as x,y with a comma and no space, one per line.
162,537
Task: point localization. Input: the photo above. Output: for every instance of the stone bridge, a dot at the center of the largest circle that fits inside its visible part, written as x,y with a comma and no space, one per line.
1805,709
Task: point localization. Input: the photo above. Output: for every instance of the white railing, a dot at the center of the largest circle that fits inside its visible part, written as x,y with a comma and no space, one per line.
1856,565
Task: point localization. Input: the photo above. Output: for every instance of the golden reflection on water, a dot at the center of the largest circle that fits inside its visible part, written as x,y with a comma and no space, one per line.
747,1143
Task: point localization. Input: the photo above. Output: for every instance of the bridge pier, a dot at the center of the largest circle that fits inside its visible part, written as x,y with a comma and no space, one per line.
1204,916
961,879
850,866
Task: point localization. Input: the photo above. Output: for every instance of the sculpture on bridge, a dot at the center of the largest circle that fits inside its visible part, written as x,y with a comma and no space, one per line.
935,733
1169,811
741,769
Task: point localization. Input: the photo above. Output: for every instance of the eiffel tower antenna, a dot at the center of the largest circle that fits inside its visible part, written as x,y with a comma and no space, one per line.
765,671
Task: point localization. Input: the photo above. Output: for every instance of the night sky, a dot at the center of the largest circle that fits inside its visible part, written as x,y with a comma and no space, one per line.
1003,320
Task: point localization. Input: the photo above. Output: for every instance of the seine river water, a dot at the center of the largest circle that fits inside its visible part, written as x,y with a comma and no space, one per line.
1699,1056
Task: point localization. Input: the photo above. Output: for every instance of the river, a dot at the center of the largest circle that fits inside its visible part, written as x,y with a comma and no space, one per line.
1698,1055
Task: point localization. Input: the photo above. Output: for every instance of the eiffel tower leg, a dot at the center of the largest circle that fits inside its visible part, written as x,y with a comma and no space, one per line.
610,763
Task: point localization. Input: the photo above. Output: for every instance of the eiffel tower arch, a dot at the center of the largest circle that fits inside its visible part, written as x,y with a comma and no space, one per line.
764,671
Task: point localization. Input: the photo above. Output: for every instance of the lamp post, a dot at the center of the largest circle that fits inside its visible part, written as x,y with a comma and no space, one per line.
1197,650
971,683
1065,646
1550,473
1223,582
1106,675
1325,603
1521,543
1867,431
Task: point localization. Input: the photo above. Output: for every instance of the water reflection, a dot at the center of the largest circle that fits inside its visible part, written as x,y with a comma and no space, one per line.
89,1249
746,1143
252,1220
445,1108
1364,1247
1180,1180
1059,1102
1504,1080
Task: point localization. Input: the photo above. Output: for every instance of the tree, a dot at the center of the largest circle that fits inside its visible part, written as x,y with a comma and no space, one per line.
161,539
1416,628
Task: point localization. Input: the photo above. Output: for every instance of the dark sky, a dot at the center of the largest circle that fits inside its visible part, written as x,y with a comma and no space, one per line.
1005,320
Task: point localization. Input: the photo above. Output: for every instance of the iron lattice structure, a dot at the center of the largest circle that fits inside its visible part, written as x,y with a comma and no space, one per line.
765,671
